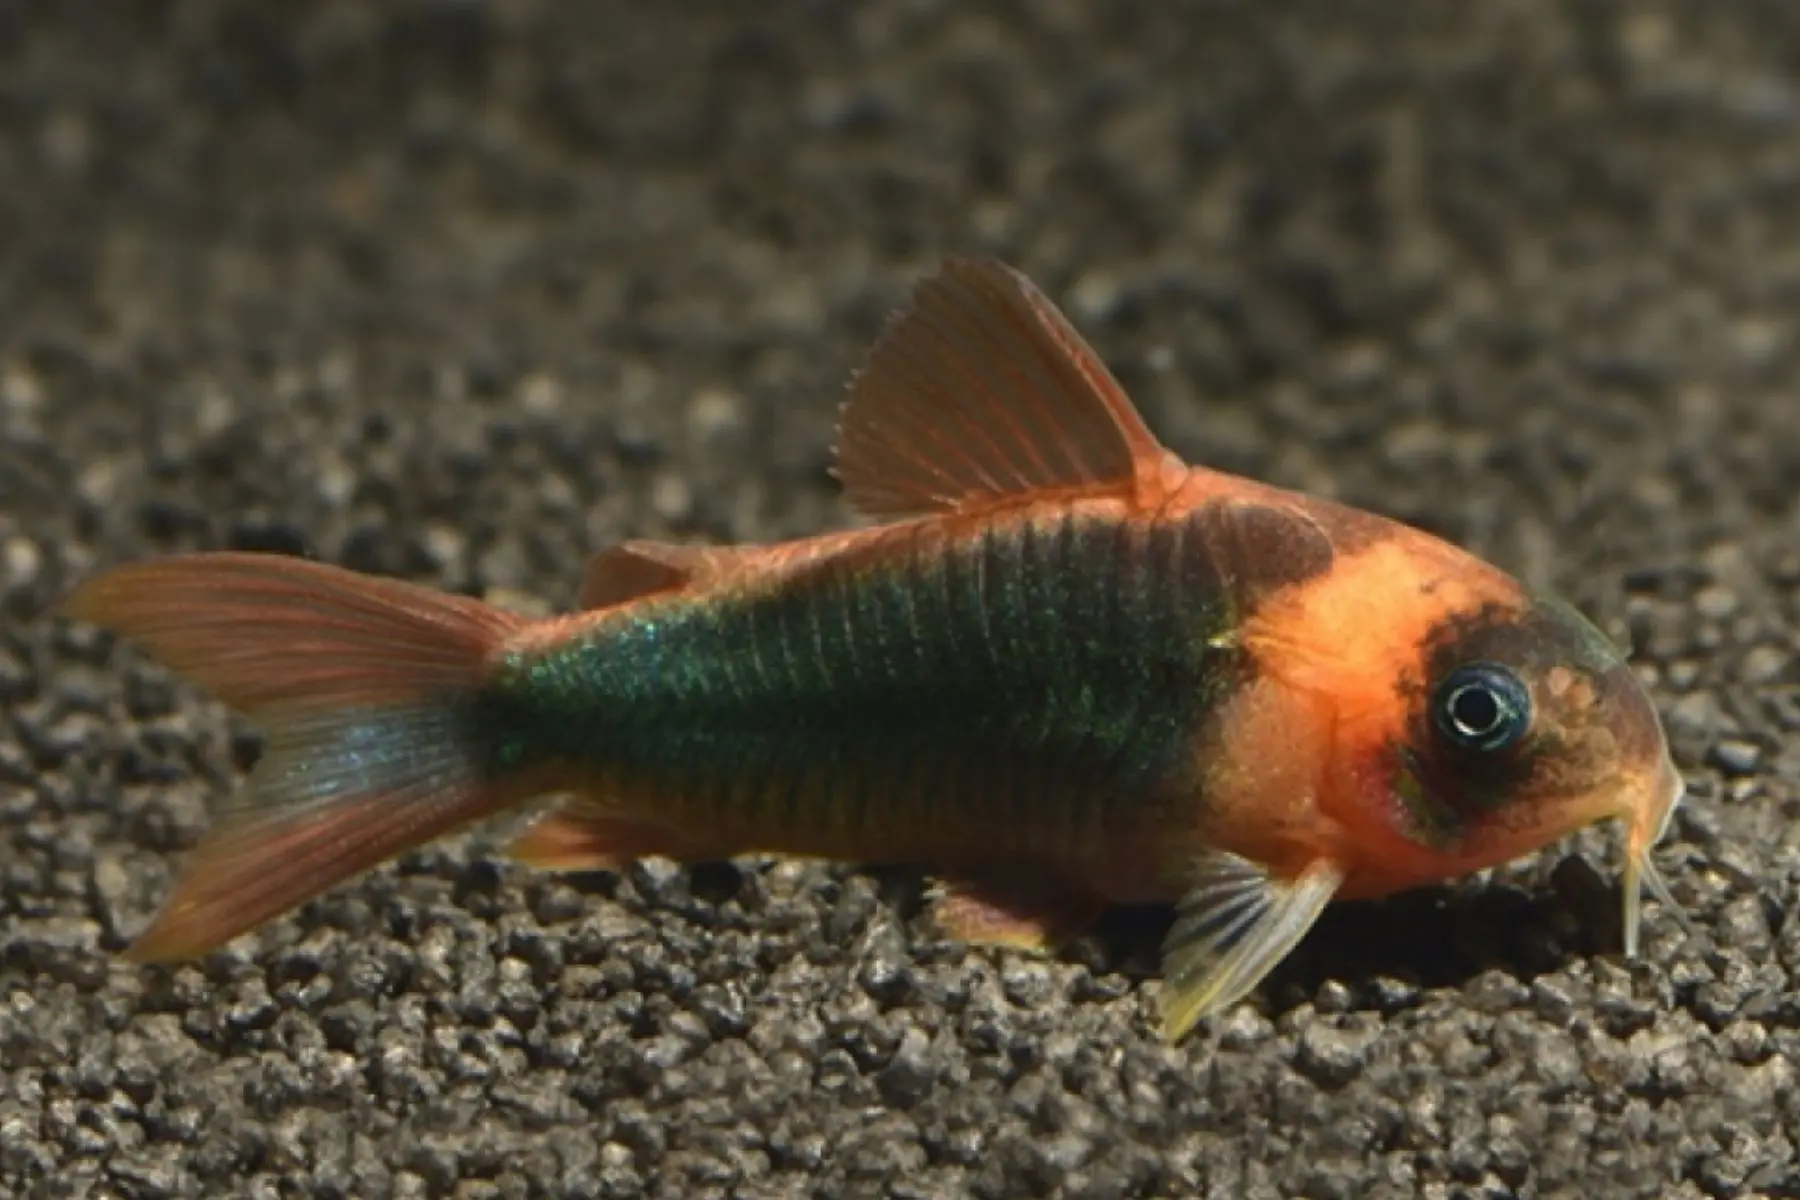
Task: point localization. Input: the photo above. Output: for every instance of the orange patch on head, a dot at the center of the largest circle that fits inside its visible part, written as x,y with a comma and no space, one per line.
1301,752
1355,631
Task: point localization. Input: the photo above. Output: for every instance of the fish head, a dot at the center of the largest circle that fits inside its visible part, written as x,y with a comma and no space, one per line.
1520,722
1440,718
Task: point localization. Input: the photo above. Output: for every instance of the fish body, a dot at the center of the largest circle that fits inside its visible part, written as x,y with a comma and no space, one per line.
1067,670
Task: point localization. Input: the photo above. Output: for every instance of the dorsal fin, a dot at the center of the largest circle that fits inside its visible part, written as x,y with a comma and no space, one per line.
979,389
634,569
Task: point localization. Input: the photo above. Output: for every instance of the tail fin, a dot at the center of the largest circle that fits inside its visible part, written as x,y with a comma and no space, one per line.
367,688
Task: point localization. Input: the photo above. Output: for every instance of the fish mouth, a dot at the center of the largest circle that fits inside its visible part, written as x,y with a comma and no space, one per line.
1649,815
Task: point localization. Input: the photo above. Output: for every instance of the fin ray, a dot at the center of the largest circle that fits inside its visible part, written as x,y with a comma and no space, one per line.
979,389
1231,929
269,854
262,631
367,688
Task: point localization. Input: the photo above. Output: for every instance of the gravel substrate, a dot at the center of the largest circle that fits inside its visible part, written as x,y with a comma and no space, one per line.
464,291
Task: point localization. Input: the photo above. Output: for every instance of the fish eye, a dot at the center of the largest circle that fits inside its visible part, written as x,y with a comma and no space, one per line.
1482,706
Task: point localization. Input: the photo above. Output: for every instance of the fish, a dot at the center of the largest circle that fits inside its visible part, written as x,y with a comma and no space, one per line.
1056,667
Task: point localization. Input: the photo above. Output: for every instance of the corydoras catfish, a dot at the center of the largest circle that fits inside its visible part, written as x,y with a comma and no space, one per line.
1064,670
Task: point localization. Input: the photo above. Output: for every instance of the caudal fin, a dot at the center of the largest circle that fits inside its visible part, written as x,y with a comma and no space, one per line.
367,690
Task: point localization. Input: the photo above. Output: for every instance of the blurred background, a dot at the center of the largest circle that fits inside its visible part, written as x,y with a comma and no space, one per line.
464,291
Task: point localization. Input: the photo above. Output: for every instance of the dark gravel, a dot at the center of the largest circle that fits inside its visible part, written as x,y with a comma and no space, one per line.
463,291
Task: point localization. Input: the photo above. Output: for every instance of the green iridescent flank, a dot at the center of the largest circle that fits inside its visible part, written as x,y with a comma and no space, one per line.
1035,681
510,752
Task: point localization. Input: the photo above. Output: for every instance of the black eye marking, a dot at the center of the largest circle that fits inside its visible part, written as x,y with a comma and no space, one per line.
1483,707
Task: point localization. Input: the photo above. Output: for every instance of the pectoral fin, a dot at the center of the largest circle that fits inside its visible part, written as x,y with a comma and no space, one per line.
1235,923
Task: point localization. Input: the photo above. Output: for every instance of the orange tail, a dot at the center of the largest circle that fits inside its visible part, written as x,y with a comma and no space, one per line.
367,689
